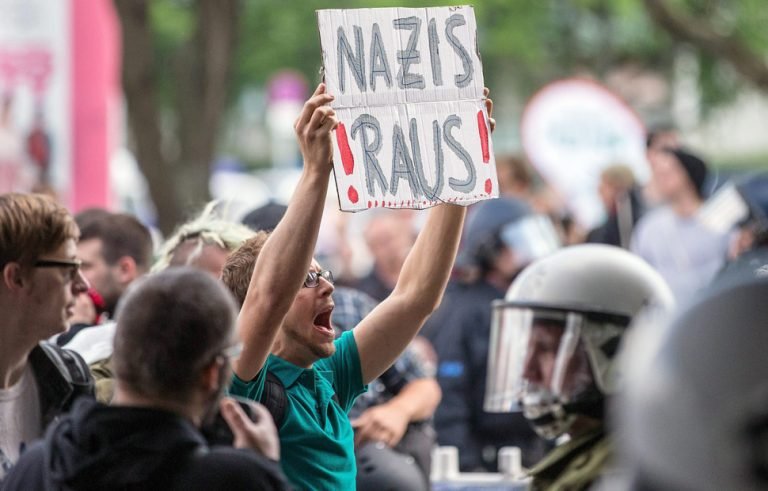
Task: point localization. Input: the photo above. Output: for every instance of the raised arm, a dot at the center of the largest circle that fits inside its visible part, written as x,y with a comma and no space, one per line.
286,256
388,329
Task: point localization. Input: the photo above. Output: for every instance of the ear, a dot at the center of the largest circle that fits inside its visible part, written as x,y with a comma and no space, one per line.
13,279
127,269
210,375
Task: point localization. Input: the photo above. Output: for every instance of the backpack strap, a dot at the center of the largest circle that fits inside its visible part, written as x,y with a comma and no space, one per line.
72,368
274,398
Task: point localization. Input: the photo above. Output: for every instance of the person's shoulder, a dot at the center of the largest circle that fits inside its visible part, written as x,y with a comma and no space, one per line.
232,468
29,471
650,222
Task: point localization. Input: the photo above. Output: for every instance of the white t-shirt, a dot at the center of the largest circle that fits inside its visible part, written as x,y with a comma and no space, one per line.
682,249
20,419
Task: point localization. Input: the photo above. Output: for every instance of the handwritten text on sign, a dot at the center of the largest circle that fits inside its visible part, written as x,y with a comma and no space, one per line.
408,87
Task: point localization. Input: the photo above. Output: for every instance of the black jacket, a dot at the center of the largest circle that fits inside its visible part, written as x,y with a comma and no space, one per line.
104,447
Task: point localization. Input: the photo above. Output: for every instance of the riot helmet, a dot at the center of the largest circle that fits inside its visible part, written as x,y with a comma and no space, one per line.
506,222
555,336
694,412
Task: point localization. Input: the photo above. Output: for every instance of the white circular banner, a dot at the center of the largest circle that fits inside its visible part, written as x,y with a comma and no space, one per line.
571,130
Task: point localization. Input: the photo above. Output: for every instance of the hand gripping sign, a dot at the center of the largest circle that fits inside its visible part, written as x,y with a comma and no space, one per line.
408,87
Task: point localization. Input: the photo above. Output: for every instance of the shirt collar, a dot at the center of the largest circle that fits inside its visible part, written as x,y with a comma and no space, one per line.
288,373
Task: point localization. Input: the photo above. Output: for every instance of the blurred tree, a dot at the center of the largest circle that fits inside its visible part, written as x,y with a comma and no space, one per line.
186,61
181,70
731,32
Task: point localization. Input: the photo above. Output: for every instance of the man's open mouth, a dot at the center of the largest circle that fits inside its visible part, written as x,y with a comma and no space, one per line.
322,321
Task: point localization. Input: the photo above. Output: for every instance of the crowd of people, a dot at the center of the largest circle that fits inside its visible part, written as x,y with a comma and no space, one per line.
229,358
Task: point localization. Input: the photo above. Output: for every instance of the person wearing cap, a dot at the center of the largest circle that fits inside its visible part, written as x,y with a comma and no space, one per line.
672,238
501,237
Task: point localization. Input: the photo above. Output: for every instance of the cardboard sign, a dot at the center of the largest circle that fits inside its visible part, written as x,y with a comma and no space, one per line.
571,130
408,87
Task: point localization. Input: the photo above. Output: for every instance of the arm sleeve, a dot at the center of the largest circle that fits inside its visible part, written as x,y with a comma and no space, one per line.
347,371
252,389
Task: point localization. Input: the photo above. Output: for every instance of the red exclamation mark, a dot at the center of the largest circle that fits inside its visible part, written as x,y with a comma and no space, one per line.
347,159
483,129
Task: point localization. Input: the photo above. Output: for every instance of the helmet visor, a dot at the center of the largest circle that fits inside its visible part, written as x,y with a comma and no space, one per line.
531,238
534,348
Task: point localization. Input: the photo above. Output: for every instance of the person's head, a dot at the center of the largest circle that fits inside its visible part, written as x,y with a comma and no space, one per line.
306,334
40,271
238,267
502,236
556,334
204,242
265,217
678,173
175,330
616,181
115,249
515,175
389,236
661,138
694,412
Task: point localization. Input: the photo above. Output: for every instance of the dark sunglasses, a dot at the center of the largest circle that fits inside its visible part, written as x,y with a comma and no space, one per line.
72,266
313,278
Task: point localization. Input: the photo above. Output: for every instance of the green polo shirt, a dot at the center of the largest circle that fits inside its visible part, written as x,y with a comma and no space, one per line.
316,438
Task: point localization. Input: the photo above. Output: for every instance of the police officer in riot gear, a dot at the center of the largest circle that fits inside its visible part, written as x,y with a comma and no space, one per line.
554,344
501,237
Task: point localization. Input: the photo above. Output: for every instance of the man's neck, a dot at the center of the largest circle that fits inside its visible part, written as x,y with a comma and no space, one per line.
686,204
13,359
15,346
128,398
293,353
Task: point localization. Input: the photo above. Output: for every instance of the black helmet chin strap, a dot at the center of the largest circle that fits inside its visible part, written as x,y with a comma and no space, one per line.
591,403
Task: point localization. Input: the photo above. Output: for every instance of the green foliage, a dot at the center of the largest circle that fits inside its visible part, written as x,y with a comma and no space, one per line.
532,41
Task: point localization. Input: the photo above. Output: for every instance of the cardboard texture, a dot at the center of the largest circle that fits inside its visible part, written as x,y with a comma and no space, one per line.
408,87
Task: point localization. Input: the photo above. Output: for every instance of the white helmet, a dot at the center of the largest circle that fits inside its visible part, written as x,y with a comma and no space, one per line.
555,336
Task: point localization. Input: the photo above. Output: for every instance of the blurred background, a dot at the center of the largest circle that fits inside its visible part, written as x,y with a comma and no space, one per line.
155,107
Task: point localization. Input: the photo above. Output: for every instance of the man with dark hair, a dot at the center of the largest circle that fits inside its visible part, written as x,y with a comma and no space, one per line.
671,237
203,243
115,249
175,336
40,279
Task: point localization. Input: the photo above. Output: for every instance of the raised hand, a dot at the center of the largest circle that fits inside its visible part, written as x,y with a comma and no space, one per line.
489,108
313,130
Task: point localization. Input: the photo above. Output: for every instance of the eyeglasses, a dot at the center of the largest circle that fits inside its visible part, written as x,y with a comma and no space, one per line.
73,266
313,278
